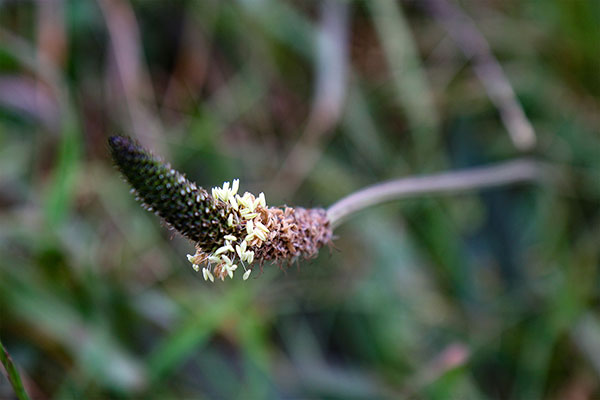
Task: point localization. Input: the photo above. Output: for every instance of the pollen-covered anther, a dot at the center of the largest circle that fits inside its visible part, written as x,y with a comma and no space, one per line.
207,275
247,274
250,215
241,249
260,234
260,226
226,259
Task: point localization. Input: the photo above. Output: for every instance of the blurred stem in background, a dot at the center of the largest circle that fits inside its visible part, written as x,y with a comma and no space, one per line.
408,77
331,72
45,66
472,43
134,95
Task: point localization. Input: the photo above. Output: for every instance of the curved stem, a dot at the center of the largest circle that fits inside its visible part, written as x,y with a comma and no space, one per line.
510,172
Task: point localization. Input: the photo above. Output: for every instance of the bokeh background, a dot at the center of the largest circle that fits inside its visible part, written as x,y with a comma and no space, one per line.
493,294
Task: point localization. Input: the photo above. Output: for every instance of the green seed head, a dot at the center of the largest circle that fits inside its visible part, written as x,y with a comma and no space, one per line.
187,208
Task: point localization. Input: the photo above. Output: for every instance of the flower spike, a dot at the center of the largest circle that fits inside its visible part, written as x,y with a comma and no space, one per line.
223,225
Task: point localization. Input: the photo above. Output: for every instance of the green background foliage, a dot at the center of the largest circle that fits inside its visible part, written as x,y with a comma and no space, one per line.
489,295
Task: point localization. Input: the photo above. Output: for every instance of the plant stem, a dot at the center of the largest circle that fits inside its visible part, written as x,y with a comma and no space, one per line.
12,373
510,172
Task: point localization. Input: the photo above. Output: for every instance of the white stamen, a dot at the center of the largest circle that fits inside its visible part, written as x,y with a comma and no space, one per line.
242,201
260,234
234,203
220,250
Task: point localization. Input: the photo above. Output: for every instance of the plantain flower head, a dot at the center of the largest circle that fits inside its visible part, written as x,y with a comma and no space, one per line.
229,230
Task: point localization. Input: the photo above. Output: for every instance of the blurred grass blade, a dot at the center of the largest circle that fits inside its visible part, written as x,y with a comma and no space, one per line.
586,335
331,71
60,191
180,345
499,89
13,374
95,351
283,23
193,333
408,76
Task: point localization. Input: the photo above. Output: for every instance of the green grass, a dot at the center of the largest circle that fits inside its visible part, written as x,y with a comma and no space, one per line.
13,374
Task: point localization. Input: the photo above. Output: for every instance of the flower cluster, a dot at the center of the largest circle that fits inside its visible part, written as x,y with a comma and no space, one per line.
228,229
246,211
